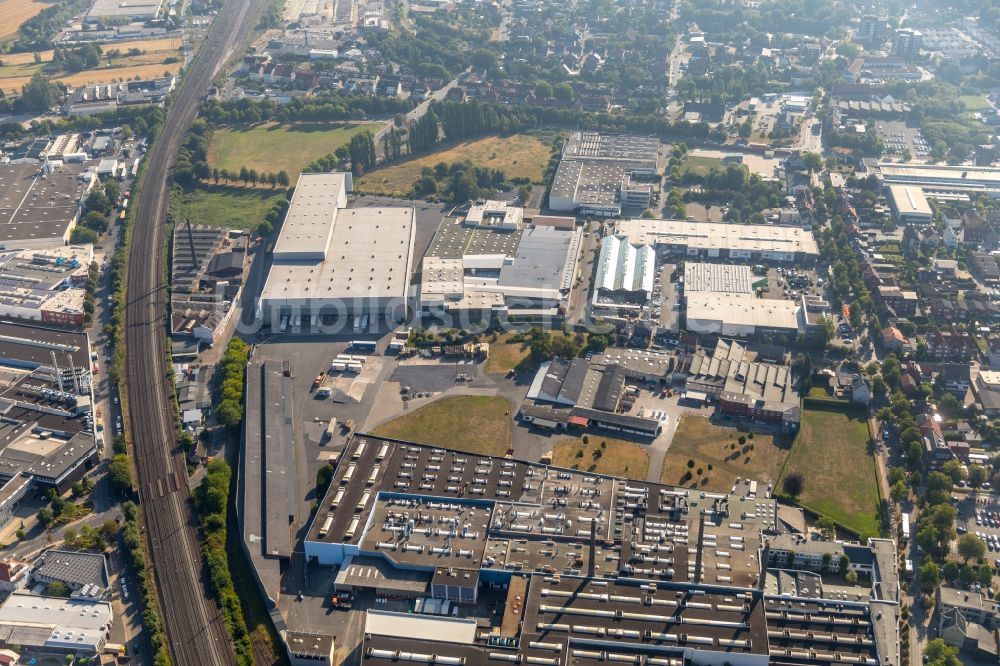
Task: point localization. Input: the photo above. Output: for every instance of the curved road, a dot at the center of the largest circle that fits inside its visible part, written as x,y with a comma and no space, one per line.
195,631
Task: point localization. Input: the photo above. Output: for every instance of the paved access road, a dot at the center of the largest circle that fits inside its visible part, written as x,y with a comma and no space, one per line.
194,628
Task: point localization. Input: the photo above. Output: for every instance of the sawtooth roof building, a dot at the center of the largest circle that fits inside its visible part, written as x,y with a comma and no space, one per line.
745,388
331,261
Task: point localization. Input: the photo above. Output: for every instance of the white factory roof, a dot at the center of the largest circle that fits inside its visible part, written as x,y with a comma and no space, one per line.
723,278
740,310
55,622
990,377
441,275
717,235
910,200
309,222
623,266
895,170
368,256
408,625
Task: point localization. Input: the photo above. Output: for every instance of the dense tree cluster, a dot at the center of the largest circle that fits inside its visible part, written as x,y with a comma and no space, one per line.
211,501
459,182
325,107
229,410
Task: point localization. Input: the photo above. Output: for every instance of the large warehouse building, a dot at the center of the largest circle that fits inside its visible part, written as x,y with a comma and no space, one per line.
909,205
716,240
602,174
331,261
938,178
40,204
490,261
721,300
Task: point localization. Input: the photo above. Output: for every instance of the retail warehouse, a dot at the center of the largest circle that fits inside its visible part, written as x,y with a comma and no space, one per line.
331,261
603,174
717,240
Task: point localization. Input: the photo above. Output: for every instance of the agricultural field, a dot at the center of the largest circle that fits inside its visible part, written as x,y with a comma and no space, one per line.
234,207
273,147
720,456
831,453
16,12
603,455
477,424
518,156
18,68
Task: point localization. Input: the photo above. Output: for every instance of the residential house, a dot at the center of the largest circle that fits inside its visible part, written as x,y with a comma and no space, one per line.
951,345
893,340
851,386
955,378
984,266
956,630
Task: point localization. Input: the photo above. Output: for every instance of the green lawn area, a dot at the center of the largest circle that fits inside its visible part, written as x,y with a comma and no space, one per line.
701,165
706,444
234,207
519,155
477,424
617,457
974,102
831,454
505,356
273,147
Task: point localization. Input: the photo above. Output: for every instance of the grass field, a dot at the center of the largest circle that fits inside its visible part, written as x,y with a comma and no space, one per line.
506,356
974,102
519,156
706,444
15,12
233,207
477,424
701,165
831,454
272,147
617,458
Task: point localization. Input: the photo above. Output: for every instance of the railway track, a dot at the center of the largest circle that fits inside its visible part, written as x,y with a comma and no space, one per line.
195,631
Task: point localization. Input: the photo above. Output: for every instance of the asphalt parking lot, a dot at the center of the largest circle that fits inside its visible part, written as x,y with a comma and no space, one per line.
432,378
982,518
898,137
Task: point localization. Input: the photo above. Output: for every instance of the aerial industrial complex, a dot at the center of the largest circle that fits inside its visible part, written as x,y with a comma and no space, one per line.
490,261
45,285
47,430
468,559
41,203
604,174
207,275
332,261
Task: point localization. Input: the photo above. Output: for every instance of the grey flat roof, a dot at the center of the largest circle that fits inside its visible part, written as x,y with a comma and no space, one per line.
540,259
28,345
74,567
36,208
124,9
